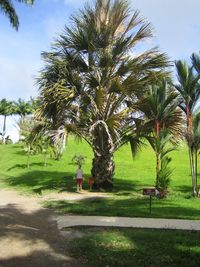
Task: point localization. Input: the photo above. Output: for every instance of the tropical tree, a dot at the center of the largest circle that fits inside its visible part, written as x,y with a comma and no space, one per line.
189,92
93,73
23,108
162,121
194,141
6,109
161,146
8,9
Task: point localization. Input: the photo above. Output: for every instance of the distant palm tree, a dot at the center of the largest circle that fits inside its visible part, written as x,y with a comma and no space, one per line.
6,6
6,109
189,92
23,108
91,75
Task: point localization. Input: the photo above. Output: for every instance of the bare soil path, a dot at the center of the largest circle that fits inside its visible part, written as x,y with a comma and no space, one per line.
29,236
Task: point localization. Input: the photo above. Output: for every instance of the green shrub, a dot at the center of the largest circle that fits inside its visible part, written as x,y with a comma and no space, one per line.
164,176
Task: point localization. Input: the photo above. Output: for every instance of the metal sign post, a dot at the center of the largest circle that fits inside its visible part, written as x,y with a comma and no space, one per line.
150,192
150,204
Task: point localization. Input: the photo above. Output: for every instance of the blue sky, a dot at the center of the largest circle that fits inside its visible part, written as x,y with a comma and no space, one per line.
176,27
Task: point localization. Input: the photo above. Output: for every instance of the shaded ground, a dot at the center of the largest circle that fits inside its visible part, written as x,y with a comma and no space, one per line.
28,235
125,247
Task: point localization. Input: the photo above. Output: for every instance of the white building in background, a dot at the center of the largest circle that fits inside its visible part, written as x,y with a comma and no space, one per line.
11,127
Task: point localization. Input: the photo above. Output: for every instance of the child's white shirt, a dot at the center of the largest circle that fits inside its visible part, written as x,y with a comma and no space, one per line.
79,174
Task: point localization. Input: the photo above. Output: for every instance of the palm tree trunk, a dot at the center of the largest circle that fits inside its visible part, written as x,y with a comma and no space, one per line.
103,170
192,167
45,159
157,165
191,152
4,129
196,171
103,147
157,128
28,156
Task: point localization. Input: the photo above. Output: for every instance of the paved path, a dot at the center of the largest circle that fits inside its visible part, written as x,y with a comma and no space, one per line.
69,221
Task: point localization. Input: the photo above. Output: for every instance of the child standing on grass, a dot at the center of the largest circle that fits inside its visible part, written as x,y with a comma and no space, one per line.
79,179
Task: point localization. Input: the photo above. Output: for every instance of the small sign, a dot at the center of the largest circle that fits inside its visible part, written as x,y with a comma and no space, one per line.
149,191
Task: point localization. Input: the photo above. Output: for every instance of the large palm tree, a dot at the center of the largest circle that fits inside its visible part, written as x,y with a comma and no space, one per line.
8,9
6,109
189,91
93,73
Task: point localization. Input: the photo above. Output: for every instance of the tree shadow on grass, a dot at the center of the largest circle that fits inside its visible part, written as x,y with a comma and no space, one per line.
38,181
24,166
126,187
127,207
184,190
138,247
31,239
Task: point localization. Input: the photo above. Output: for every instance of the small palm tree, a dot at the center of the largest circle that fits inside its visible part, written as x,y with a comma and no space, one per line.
194,141
162,119
8,9
189,92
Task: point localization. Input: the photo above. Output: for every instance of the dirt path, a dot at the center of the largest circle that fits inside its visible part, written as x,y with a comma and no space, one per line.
29,237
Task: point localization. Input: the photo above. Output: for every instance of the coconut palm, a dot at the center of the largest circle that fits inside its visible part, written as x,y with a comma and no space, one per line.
8,9
6,109
189,92
91,75
162,119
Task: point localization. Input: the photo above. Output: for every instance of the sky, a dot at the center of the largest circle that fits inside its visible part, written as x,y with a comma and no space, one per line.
176,28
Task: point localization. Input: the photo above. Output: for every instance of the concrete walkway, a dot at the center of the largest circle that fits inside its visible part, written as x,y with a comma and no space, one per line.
70,221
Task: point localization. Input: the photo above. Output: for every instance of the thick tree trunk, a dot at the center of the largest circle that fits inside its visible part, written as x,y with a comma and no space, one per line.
103,170
103,147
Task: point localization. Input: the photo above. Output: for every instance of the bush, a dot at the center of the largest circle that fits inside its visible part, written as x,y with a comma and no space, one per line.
164,177
78,160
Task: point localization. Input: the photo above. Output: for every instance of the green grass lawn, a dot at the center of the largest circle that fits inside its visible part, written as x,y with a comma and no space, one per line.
137,248
130,177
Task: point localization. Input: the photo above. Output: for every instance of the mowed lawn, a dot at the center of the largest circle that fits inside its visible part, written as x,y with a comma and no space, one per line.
126,198
102,247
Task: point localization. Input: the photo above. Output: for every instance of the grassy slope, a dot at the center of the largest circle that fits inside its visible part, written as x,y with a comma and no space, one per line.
138,248
130,177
